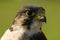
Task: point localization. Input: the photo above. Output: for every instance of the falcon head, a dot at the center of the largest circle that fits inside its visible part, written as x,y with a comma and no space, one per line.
30,18
27,24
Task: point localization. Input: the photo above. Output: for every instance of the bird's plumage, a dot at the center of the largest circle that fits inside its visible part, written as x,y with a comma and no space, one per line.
27,25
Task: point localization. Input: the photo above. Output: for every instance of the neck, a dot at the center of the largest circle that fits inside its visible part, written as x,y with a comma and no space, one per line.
35,28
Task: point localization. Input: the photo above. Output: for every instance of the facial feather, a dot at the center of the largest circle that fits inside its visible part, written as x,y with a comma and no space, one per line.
26,23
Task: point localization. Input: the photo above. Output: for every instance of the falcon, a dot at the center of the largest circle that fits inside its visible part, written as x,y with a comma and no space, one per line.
27,24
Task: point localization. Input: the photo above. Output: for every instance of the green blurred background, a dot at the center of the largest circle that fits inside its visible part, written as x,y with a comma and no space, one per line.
9,8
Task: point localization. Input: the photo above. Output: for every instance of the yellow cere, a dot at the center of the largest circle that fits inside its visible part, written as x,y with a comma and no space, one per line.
39,16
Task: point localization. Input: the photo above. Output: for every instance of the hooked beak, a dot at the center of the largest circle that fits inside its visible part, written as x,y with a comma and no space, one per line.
43,19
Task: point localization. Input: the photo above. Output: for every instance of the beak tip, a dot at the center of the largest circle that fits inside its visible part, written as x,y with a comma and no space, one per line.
44,19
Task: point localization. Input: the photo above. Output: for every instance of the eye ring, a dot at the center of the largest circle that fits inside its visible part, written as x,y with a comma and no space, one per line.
30,14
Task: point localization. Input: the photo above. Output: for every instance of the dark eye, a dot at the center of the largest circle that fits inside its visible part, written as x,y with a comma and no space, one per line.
29,13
